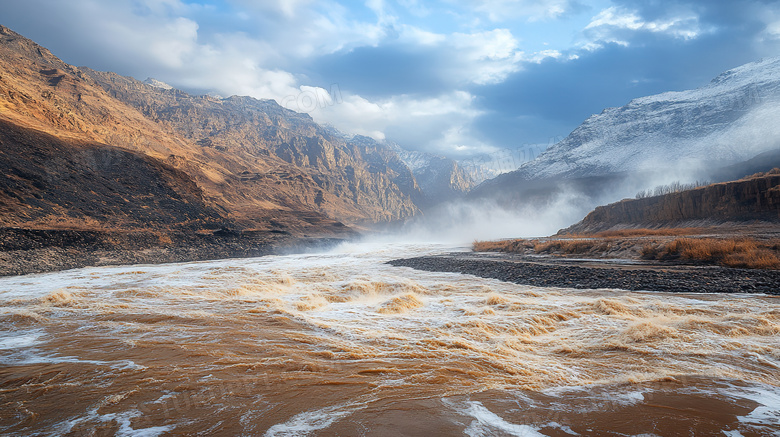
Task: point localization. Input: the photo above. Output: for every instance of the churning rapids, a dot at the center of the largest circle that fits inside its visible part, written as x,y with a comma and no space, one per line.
341,343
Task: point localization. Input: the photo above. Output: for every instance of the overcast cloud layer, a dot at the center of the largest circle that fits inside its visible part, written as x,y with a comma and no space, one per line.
454,77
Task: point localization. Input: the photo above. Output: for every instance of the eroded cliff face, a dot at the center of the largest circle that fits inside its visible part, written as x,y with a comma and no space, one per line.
753,198
265,166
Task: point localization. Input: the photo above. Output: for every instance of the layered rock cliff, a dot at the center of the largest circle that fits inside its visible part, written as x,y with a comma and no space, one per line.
749,199
267,145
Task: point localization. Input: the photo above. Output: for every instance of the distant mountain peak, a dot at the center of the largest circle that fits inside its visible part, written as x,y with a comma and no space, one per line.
152,82
440,178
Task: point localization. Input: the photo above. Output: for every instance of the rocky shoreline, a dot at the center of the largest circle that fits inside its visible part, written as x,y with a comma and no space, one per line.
24,251
594,275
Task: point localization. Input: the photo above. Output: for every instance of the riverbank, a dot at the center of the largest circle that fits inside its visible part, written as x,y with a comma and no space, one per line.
25,251
600,274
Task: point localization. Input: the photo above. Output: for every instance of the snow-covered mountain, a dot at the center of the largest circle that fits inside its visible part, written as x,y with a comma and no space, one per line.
733,118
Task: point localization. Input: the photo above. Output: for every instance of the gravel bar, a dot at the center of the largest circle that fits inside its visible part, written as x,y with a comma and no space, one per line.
677,279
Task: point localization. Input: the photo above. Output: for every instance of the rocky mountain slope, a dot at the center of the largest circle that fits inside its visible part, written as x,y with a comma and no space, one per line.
441,179
262,166
279,155
669,136
53,183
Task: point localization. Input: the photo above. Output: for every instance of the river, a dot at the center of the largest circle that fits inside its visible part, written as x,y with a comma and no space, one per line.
340,343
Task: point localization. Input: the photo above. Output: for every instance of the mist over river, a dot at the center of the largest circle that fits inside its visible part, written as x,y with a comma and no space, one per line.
340,343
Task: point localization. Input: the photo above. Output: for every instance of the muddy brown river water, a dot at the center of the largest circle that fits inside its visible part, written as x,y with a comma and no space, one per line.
341,343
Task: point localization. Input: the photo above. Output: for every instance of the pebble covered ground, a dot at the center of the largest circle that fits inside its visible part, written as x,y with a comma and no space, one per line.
549,273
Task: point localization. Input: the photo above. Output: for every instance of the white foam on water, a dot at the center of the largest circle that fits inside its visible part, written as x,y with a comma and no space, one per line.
768,411
24,352
563,428
307,289
522,337
20,339
309,421
122,419
593,401
486,422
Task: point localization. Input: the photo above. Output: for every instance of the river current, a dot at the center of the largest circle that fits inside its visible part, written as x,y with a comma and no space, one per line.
340,343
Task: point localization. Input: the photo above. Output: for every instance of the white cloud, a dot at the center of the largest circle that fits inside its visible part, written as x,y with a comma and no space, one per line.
485,57
290,7
773,30
287,8
533,10
437,124
179,43
415,7
415,36
617,25
770,15
495,44
612,17
538,57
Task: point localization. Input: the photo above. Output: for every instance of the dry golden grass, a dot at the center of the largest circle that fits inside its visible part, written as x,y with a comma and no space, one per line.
757,259
772,172
490,246
577,243
729,252
570,246
510,246
565,246
642,232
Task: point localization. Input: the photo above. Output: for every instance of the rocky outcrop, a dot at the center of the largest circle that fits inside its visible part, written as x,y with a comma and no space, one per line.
754,198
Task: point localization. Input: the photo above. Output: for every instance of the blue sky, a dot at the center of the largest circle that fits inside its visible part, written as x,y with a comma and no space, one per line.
453,77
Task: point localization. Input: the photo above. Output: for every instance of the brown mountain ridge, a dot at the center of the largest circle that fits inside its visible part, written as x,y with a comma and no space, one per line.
255,161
